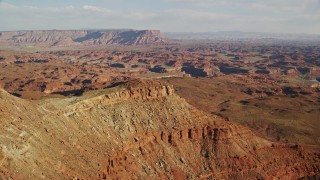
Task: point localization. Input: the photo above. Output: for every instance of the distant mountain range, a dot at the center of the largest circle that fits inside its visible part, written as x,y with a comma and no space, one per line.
82,37
239,35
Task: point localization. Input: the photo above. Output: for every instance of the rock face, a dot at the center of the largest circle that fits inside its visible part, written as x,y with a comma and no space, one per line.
83,37
137,130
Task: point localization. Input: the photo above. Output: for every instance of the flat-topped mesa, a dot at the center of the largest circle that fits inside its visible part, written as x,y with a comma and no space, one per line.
41,36
83,37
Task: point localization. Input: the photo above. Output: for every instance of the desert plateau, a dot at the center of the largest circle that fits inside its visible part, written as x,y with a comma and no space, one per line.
199,100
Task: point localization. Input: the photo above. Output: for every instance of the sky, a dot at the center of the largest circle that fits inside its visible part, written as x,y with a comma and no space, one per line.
286,16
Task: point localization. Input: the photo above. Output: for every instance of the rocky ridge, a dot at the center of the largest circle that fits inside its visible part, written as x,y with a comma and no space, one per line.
137,130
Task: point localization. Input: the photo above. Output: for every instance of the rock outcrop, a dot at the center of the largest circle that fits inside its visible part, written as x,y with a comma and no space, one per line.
137,130
83,37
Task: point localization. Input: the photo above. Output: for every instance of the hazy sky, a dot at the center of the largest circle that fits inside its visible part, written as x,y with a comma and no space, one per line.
294,16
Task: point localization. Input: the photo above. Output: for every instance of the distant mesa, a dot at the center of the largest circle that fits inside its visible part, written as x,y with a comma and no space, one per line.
83,37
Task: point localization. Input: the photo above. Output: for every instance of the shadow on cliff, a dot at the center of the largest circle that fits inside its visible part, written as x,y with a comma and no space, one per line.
93,35
76,92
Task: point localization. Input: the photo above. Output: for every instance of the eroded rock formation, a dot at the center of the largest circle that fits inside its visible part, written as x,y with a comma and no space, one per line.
137,130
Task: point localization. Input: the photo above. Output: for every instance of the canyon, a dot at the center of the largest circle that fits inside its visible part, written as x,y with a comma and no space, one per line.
134,104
